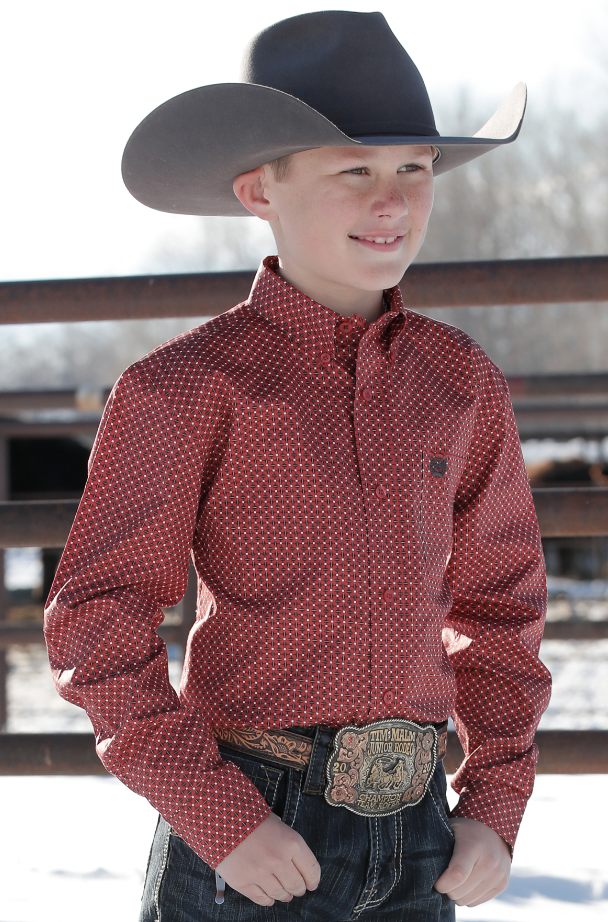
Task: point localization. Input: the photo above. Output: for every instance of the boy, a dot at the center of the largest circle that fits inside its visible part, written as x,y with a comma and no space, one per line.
348,479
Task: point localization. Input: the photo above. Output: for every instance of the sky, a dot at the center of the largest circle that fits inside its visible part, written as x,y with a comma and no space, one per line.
76,78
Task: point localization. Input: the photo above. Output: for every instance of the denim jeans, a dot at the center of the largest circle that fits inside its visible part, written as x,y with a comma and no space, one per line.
371,868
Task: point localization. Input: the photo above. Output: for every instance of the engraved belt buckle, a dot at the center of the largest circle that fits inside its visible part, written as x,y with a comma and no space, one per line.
381,768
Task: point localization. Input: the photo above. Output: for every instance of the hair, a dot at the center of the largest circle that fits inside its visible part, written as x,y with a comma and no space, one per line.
280,167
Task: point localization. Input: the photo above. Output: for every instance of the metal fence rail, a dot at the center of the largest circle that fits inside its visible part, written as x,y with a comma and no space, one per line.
562,513
425,285
560,752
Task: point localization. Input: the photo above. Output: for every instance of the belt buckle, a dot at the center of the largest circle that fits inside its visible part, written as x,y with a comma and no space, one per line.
381,768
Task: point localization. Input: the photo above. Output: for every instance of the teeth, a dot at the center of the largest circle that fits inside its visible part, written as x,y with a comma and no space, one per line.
380,239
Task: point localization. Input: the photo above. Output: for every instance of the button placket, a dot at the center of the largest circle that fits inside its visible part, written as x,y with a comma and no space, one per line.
372,417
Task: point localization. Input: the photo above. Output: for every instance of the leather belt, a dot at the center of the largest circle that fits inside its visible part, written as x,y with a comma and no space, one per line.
373,770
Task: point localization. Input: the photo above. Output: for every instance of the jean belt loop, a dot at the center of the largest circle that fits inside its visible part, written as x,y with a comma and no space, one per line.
316,779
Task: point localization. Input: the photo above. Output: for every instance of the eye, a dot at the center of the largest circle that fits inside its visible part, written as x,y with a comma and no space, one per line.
358,170
410,168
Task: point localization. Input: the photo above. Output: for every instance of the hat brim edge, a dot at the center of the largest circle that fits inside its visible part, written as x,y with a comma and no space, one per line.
154,151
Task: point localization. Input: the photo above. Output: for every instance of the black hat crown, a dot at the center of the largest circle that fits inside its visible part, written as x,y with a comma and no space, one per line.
331,78
350,67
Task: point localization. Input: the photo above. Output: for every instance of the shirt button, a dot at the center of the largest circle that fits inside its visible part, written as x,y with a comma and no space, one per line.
367,393
388,595
346,326
381,491
388,697
325,358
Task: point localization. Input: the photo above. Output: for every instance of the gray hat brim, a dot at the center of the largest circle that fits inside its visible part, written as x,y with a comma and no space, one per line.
184,156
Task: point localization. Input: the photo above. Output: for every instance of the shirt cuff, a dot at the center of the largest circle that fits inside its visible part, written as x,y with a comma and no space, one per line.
499,807
209,803
218,820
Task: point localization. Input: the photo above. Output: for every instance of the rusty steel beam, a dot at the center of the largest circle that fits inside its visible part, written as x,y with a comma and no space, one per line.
123,298
85,400
575,629
558,385
425,285
49,754
562,512
568,421
568,752
571,512
561,752
506,281
16,429
36,523
525,392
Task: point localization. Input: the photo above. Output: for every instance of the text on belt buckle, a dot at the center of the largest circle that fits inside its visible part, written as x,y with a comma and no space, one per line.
381,768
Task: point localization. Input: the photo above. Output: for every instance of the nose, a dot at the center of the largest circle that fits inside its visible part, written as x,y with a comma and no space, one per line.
390,200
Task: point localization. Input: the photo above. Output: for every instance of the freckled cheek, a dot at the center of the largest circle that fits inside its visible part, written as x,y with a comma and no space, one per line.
420,203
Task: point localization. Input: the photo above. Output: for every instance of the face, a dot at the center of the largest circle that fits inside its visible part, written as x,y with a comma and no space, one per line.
348,219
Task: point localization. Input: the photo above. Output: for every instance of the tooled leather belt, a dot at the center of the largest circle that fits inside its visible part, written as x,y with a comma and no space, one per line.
374,770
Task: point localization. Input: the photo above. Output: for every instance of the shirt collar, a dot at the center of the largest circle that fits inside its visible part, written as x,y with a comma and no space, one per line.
300,317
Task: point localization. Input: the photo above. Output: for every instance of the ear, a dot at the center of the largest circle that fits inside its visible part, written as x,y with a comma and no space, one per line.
250,189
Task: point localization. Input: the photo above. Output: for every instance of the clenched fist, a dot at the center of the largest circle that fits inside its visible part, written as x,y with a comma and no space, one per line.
480,866
272,863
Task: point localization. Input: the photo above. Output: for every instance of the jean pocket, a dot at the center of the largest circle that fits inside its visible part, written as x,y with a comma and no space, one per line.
271,782
437,792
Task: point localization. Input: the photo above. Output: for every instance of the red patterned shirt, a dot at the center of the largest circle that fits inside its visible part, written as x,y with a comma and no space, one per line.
360,520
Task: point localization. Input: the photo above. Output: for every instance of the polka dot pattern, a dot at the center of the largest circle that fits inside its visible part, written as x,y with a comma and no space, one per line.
358,512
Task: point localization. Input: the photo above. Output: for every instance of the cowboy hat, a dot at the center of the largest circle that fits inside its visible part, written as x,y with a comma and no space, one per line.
332,78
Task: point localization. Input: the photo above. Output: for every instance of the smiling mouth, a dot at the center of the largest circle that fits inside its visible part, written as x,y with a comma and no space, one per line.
377,239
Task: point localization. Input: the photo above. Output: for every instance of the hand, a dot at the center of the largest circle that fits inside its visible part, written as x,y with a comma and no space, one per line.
272,863
480,865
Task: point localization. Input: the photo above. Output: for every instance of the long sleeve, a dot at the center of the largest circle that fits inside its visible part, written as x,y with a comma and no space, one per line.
316,515
494,630
126,558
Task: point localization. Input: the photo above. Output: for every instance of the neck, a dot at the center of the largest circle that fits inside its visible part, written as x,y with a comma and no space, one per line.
338,298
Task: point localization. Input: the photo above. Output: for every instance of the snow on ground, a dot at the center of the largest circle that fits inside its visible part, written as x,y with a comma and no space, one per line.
75,849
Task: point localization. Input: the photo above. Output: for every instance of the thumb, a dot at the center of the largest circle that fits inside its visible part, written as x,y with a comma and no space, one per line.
457,872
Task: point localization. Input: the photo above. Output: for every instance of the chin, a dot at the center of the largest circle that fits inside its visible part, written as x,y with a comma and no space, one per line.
376,278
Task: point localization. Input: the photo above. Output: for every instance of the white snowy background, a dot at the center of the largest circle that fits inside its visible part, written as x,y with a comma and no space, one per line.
76,79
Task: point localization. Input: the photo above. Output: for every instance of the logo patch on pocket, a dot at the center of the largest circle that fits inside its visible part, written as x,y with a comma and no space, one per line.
439,467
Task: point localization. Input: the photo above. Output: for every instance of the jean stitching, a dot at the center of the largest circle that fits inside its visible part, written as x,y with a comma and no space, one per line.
320,787
363,906
270,782
295,812
396,876
440,812
161,873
